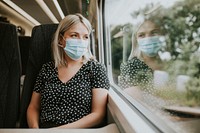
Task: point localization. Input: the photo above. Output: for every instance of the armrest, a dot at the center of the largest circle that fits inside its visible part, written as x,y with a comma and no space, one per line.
111,128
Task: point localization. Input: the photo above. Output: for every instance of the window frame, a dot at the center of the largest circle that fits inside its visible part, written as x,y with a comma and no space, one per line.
138,112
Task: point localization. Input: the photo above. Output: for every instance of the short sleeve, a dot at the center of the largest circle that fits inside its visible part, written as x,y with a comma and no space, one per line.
39,83
99,76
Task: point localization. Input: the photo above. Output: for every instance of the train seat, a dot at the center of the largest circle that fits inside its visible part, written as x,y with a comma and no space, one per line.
10,72
24,44
39,53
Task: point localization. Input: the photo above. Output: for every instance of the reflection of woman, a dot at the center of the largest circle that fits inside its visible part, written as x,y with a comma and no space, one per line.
144,59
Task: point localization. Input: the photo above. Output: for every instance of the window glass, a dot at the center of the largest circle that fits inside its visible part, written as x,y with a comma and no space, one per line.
155,56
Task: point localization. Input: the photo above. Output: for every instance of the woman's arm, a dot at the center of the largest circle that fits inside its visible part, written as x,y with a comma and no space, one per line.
33,111
98,111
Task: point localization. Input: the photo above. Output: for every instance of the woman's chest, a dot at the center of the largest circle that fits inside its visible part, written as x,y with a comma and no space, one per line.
78,87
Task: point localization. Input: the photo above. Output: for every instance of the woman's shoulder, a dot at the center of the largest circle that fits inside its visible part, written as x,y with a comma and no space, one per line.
133,62
48,66
95,64
48,69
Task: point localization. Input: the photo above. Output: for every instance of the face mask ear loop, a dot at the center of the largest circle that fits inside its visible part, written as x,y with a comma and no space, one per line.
60,45
63,39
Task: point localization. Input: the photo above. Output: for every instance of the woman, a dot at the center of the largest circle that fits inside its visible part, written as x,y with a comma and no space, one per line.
137,72
70,92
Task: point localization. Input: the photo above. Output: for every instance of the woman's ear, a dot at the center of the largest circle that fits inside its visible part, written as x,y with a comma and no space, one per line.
61,41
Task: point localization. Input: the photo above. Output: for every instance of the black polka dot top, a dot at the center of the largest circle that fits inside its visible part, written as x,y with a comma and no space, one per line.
135,72
63,103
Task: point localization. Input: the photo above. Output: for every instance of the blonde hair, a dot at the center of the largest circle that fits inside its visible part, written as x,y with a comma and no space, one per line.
135,52
151,15
64,25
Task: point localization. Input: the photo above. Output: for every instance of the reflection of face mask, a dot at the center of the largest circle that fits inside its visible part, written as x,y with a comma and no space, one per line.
151,45
76,48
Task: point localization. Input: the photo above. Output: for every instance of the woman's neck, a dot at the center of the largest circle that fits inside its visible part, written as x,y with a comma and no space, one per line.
153,62
70,62
149,59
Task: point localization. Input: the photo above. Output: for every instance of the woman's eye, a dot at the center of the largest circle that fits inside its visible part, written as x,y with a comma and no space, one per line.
155,33
140,35
74,36
86,37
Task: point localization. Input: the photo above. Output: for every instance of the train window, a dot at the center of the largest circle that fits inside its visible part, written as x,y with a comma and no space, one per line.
155,49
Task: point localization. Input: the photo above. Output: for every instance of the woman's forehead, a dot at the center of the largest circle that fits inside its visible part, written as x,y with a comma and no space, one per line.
147,26
78,28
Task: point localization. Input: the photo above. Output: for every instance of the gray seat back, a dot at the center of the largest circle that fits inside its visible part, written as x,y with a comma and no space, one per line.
10,72
39,53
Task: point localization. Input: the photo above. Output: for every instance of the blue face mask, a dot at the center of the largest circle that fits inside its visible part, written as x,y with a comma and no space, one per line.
76,48
151,45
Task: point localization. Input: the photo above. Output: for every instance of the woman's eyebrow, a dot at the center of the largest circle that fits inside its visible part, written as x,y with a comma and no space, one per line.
157,29
73,32
142,32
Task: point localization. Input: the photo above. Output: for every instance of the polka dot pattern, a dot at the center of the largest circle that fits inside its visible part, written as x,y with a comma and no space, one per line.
135,73
63,103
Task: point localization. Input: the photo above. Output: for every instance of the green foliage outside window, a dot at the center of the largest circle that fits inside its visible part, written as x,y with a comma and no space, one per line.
181,24
183,31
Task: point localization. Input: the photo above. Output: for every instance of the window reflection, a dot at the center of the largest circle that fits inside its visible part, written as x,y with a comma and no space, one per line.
155,57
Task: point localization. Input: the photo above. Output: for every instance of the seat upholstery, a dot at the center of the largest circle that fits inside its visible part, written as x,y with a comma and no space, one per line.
39,53
10,72
24,44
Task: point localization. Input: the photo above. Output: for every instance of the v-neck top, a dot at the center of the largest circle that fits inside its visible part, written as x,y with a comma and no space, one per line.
135,72
63,103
